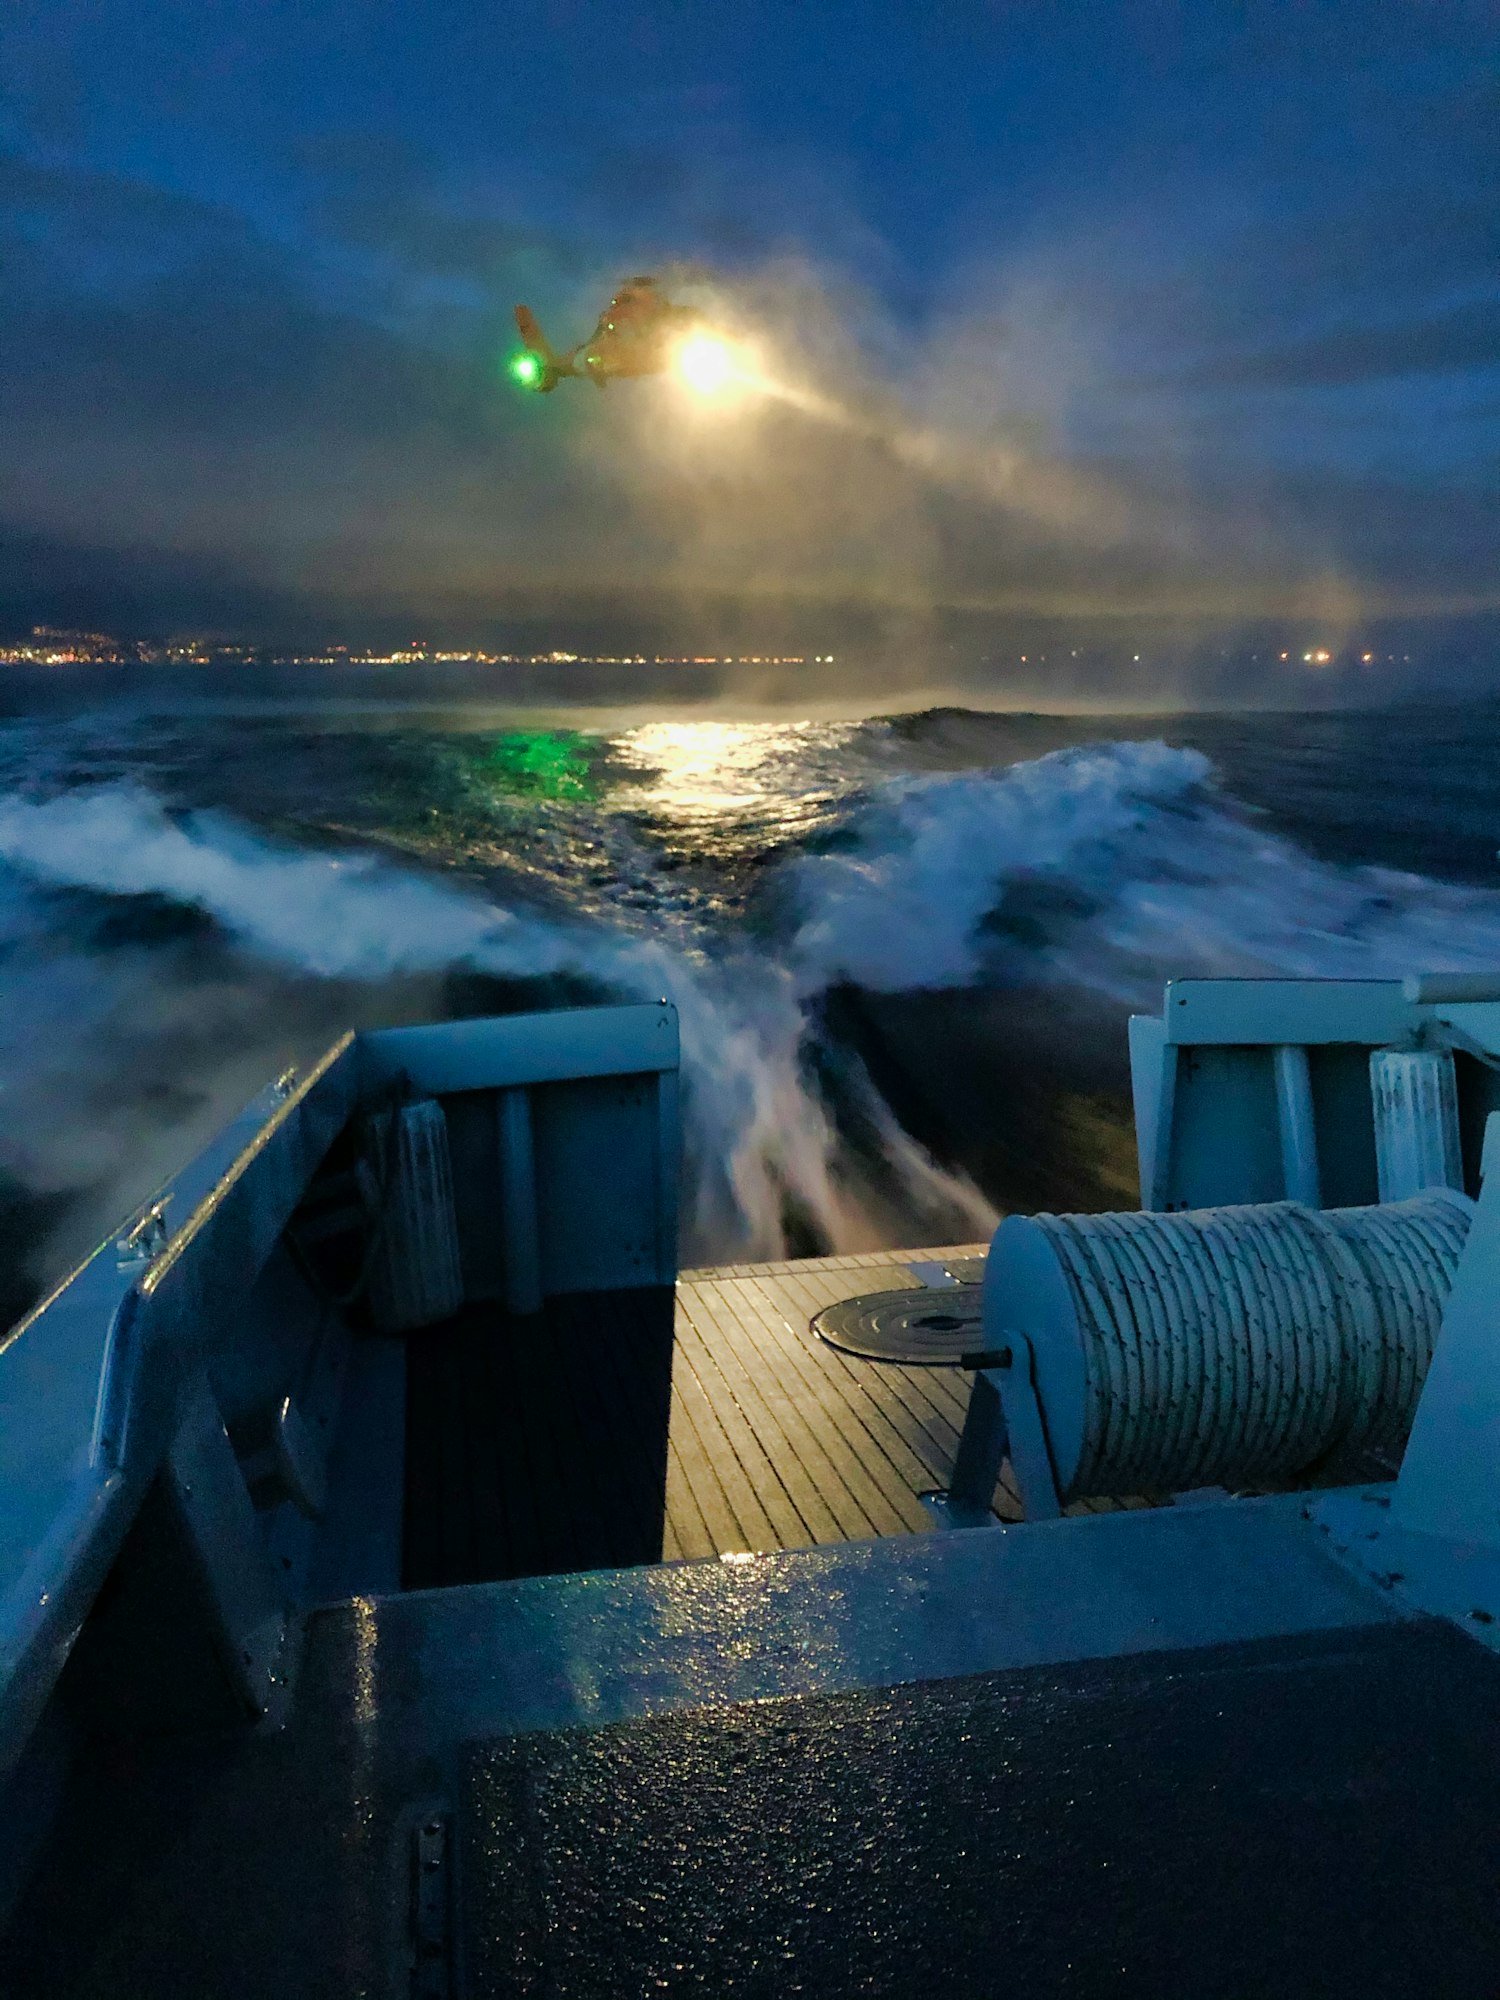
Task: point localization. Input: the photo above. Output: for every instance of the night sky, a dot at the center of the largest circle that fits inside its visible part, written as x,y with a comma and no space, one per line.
1130,312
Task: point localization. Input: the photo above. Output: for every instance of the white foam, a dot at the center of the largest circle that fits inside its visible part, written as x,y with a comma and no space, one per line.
1107,868
1142,868
757,1133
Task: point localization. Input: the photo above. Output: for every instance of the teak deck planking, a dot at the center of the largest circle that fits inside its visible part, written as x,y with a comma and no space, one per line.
628,1427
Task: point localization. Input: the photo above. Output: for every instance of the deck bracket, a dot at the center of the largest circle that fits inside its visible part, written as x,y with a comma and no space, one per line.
981,1448
292,1460
1004,1414
1030,1454
233,1575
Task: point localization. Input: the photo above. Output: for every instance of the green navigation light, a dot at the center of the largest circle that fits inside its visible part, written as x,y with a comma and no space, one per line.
526,369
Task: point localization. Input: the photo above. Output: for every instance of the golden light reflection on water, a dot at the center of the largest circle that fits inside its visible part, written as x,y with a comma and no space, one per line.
707,770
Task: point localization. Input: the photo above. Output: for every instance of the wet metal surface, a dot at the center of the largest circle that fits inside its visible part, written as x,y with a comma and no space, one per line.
550,1652
1249,1820
281,1863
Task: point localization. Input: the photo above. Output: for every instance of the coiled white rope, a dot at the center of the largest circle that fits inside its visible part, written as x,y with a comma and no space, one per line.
1241,1346
1408,1251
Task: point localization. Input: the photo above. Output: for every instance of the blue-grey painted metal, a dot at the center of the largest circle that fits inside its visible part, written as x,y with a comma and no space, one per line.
93,1382
198,1318
603,1181
587,1141
1299,1139
1026,1427
1429,988
1252,1090
1265,1013
1450,1477
569,1043
1476,1022
928,1272
195,1315
239,1592
177,1328
554,1652
969,1500
1005,1413
357,1552
668,1172
1424,1576
1432,1542
1153,1086
520,1226
293,1459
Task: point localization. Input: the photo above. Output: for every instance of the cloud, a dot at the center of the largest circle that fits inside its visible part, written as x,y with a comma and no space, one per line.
270,429
1461,337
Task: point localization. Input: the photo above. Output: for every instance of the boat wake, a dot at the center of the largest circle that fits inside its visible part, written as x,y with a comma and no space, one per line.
156,965
1109,867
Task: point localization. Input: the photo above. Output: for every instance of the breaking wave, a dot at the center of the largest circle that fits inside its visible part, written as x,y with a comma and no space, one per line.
1108,867
760,1140
1103,868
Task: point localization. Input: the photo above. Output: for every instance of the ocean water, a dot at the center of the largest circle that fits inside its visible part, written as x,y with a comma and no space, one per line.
903,947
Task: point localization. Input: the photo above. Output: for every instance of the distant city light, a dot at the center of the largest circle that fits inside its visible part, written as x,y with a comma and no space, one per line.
52,646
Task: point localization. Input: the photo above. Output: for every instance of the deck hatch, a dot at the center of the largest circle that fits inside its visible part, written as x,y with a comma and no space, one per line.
1059,1830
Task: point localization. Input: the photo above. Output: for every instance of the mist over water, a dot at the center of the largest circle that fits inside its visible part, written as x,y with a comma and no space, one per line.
902,949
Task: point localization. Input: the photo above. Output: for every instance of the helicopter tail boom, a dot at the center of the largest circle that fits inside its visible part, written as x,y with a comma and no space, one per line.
554,365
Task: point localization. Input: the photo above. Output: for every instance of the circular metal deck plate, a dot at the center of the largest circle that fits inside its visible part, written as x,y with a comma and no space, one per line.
932,1327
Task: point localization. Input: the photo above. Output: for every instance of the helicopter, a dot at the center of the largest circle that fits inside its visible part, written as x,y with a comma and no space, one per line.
638,334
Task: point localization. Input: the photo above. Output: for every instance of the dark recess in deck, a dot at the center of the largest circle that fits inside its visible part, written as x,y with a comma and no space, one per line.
540,1444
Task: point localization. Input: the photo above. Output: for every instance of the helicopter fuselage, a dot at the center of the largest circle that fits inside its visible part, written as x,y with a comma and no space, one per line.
635,336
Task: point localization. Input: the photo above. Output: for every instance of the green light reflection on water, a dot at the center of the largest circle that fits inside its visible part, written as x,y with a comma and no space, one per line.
541,764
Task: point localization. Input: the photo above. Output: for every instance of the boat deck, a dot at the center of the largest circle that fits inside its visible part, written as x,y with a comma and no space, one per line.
635,1427
655,1427
905,1762
779,1441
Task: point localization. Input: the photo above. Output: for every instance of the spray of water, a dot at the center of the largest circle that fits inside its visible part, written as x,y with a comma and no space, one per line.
1103,869
760,1140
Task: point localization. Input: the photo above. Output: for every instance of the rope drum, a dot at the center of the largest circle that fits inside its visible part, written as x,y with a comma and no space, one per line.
1230,1346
